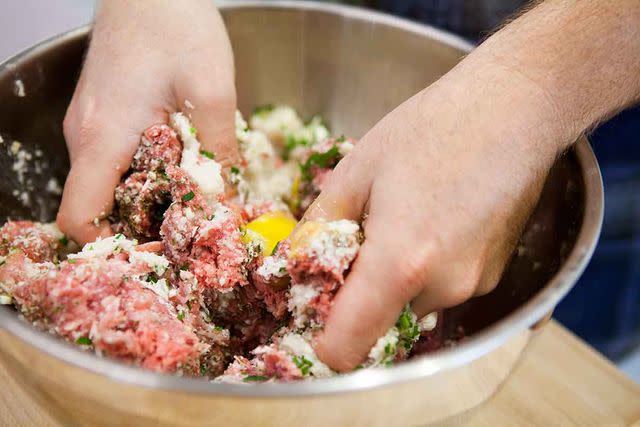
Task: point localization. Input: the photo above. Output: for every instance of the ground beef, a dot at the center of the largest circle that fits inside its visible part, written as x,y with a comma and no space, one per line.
199,296
218,255
34,240
159,147
102,304
141,201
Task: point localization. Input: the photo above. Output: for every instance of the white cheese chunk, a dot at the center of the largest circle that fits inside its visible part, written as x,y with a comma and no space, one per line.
105,247
297,345
206,172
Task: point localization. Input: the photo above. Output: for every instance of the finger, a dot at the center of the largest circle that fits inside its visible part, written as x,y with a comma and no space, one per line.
345,193
381,282
95,172
208,94
214,118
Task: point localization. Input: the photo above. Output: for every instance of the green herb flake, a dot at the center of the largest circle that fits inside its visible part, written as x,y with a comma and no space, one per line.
193,131
235,170
291,143
71,261
389,349
408,329
341,138
64,241
320,160
184,267
208,154
282,270
84,341
188,196
255,378
261,110
152,277
181,315
275,248
203,369
188,303
303,364
218,328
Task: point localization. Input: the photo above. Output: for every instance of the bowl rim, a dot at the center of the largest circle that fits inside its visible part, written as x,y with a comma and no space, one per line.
475,347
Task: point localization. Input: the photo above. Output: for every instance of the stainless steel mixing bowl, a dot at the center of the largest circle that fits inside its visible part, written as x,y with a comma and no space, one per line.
352,66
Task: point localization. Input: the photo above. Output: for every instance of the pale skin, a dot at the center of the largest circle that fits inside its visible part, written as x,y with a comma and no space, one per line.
446,181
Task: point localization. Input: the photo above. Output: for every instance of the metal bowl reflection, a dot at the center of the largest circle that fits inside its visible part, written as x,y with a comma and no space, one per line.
352,66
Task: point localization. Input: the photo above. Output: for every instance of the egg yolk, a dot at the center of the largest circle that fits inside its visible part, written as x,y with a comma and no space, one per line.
271,228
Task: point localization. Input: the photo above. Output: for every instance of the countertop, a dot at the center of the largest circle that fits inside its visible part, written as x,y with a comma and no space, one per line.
560,381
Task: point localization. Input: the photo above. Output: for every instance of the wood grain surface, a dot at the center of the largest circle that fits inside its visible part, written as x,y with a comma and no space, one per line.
561,381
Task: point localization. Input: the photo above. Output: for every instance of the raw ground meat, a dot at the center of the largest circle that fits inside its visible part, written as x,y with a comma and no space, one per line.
159,147
190,286
34,240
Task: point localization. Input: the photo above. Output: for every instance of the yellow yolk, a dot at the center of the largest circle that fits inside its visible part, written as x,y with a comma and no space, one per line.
294,197
270,228
305,233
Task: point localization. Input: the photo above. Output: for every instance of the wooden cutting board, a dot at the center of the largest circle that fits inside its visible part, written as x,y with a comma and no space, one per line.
561,381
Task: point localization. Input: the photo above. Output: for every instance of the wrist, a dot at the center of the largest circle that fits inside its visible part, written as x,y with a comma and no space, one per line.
498,105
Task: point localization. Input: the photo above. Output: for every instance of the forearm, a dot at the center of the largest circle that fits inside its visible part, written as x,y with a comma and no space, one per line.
585,54
552,73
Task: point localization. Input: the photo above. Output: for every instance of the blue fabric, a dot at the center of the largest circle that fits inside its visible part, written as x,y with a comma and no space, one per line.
604,307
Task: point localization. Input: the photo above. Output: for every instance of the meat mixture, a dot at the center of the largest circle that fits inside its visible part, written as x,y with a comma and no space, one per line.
201,276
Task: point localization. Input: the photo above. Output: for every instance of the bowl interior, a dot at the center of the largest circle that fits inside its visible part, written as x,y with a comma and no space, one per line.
349,70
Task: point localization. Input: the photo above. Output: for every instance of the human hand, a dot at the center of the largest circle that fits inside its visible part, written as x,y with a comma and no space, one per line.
447,181
445,184
146,60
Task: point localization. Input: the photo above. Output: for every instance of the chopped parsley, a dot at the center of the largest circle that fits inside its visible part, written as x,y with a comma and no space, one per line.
193,131
261,110
188,196
84,341
254,378
235,170
185,266
64,241
218,328
291,143
408,328
321,160
275,248
282,270
181,315
71,261
341,138
203,369
208,154
303,364
389,349
152,277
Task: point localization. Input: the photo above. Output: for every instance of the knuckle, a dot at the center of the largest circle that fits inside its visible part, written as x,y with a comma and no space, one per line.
459,292
413,268
82,129
465,286
214,96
